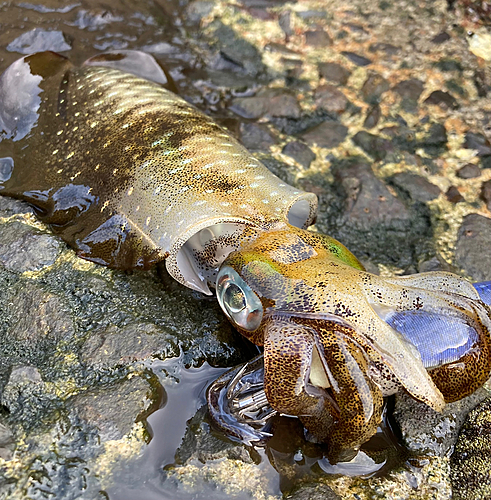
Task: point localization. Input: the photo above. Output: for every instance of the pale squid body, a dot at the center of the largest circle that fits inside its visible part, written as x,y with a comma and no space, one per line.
129,174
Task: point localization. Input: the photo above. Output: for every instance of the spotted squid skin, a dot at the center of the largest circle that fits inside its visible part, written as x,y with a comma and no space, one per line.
126,171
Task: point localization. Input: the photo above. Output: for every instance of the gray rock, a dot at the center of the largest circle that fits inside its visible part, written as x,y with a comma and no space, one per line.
440,38
38,40
256,136
377,147
442,99
373,88
317,38
300,152
7,442
469,171
373,116
334,72
409,89
486,193
453,195
198,9
472,249
330,99
478,142
328,134
113,409
357,59
417,187
387,48
271,102
23,248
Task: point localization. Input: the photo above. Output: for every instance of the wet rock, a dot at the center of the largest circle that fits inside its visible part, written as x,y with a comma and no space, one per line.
486,193
357,59
373,116
23,248
38,316
418,188
472,248
198,9
200,443
440,38
271,102
122,346
9,207
113,409
478,142
409,89
256,136
368,201
377,147
317,38
469,464
427,432
373,88
442,99
453,195
7,442
387,48
236,49
328,134
436,136
300,152
330,99
313,492
449,65
334,72
285,22
469,171
38,40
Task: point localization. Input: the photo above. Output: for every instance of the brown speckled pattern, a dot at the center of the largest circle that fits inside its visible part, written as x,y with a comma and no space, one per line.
150,168
311,297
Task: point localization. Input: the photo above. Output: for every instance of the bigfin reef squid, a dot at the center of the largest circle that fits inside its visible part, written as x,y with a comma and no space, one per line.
129,175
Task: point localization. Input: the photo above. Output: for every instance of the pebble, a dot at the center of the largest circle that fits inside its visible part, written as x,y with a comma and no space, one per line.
373,88
373,116
357,59
327,134
38,40
472,248
375,146
256,136
486,193
442,99
334,72
440,38
409,89
330,99
387,48
478,142
300,152
271,102
469,171
453,195
317,38
417,187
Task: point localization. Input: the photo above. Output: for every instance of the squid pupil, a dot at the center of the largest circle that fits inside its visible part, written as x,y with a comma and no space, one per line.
234,298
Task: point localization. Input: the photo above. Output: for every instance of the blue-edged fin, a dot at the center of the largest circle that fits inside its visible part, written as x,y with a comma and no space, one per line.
484,291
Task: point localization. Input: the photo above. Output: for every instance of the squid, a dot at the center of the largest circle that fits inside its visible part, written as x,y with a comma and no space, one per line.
129,175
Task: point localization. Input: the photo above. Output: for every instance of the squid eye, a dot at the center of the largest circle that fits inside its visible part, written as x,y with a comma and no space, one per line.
241,305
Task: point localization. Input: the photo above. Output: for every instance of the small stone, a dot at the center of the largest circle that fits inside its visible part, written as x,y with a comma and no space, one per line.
39,40
317,38
375,146
330,99
469,171
442,99
440,38
436,136
453,195
478,142
417,187
409,89
284,20
312,492
472,249
327,134
357,59
486,193
373,116
198,9
256,136
334,72
300,152
267,102
373,88
449,65
388,48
